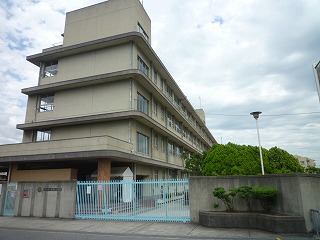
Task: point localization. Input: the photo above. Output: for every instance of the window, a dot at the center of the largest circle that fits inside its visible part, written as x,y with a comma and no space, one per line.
163,145
162,113
162,84
143,144
43,136
155,141
50,69
178,126
169,93
142,66
141,30
46,103
170,148
142,104
155,107
178,151
155,76
169,119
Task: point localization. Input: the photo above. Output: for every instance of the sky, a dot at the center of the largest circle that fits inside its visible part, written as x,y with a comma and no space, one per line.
229,58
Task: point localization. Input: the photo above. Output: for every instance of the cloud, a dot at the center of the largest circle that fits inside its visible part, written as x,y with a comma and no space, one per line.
237,56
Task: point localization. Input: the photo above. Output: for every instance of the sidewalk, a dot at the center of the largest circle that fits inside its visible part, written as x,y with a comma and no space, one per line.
187,230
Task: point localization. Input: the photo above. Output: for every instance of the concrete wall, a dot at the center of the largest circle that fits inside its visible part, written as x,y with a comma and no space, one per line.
2,195
111,59
298,193
105,19
46,199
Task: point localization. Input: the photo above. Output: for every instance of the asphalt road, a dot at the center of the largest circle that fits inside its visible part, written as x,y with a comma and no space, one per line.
22,234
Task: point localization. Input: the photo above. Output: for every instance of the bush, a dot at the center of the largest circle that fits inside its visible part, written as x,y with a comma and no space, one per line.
245,192
226,198
266,195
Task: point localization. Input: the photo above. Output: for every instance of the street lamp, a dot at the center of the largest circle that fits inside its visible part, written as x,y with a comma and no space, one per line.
256,116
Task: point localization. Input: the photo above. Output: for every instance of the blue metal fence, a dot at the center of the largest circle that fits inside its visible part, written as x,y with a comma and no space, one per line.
10,200
164,200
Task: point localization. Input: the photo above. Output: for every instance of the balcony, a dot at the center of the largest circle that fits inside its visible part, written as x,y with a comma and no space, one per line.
75,145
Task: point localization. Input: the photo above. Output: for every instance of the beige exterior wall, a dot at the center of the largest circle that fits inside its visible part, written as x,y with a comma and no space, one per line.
92,63
43,174
89,100
106,19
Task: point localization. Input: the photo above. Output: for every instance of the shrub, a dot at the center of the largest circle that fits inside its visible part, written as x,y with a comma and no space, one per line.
245,192
226,197
266,195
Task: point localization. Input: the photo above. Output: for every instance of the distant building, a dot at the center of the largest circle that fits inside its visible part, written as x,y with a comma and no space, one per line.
305,161
104,100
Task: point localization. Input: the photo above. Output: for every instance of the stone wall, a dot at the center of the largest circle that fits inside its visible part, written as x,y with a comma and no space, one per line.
55,199
298,193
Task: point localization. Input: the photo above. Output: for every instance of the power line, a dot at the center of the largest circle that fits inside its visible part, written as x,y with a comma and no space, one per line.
264,115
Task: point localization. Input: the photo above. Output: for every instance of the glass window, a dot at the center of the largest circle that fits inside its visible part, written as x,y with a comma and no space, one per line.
46,103
163,145
155,141
155,107
143,144
43,135
142,104
170,148
141,30
50,69
169,93
155,76
142,66
162,112
169,119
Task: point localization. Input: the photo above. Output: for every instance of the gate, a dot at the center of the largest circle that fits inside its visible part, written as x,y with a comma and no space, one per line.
166,200
10,199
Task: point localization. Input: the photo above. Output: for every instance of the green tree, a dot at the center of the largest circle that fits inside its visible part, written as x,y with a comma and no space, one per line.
234,159
280,161
194,163
312,170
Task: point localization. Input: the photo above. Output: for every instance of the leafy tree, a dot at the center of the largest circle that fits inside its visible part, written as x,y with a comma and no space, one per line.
234,159
312,170
280,161
226,197
194,163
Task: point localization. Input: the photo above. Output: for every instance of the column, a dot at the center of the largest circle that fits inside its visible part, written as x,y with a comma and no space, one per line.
104,169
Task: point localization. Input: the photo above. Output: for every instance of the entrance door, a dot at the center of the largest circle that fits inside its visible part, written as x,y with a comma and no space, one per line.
10,199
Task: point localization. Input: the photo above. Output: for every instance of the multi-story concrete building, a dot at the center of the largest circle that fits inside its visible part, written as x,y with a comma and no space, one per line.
305,161
105,100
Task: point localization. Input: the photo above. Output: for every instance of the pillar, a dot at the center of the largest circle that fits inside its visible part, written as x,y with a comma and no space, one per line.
104,169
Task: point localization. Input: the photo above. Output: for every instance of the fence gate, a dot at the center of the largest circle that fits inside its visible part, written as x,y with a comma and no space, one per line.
166,200
10,199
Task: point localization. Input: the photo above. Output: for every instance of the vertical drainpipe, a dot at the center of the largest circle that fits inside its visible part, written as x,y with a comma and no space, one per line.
151,143
131,54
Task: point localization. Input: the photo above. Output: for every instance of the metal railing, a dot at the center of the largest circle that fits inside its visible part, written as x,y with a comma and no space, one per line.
165,200
315,218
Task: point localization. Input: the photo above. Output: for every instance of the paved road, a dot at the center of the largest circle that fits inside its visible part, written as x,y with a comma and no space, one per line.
21,234
16,228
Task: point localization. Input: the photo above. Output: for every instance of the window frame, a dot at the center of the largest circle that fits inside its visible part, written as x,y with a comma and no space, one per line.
41,136
142,66
142,104
50,68
142,143
47,105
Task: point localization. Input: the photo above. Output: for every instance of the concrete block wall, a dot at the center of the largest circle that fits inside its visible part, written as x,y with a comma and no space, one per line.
3,191
55,199
298,193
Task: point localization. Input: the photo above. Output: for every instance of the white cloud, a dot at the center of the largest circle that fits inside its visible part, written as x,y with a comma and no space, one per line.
238,56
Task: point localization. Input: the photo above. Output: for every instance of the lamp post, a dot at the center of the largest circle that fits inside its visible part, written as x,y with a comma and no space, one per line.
256,116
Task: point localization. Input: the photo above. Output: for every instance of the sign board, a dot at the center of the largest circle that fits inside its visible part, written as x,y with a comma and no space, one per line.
26,193
52,189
